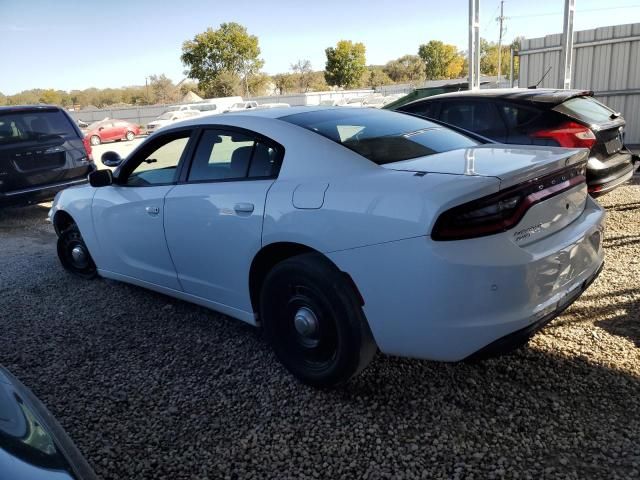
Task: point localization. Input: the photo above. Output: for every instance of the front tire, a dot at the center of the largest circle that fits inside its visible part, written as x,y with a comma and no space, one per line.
95,140
130,135
313,320
74,254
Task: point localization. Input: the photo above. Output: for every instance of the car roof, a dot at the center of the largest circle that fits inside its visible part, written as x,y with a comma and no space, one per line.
524,95
28,108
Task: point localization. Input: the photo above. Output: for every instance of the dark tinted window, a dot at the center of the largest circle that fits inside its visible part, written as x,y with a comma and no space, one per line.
479,117
517,116
424,109
28,126
380,135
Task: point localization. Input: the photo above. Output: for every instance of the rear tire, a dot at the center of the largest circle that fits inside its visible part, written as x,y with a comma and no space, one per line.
312,318
95,140
130,136
74,254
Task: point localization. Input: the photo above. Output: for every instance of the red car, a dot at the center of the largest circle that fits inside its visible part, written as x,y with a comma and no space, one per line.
110,131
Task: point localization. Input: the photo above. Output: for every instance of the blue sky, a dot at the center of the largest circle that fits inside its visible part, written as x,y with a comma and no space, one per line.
77,44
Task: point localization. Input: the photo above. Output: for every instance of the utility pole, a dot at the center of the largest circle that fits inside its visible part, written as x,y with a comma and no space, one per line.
500,19
567,44
474,44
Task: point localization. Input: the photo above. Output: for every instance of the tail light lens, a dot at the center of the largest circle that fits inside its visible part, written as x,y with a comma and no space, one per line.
504,210
569,134
87,148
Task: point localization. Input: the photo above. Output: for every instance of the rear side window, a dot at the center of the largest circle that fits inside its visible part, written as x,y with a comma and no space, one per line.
586,109
479,117
379,135
424,109
32,126
517,116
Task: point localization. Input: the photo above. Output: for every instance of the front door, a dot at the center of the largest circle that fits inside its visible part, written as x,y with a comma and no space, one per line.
129,215
213,223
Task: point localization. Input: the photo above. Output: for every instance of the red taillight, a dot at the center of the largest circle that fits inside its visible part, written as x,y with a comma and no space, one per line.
87,148
569,134
504,210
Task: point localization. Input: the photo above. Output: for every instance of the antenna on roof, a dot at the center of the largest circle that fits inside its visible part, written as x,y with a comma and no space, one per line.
543,77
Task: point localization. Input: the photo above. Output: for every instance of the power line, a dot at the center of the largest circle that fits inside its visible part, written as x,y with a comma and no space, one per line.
549,14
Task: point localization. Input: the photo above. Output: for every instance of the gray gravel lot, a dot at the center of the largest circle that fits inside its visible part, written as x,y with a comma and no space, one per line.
152,387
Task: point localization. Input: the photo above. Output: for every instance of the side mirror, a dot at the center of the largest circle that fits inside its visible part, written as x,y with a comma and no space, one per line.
100,178
111,159
100,129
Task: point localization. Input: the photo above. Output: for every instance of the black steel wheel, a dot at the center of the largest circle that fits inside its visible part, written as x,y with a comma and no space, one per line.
74,254
312,318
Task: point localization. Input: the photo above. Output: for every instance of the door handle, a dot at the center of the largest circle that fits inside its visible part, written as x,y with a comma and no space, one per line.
243,207
153,211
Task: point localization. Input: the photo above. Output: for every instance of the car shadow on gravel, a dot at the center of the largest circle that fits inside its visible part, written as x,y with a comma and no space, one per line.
19,217
617,312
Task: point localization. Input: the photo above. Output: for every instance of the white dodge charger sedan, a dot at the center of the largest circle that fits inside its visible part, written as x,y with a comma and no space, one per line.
343,231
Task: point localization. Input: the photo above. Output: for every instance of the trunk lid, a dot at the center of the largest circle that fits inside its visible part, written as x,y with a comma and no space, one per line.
542,189
511,165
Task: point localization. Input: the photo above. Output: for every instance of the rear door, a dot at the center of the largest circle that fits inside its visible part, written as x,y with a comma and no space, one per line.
213,222
39,147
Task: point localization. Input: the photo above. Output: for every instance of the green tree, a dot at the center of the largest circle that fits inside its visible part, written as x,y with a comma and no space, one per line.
302,70
489,58
50,96
3,99
375,76
406,69
317,82
227,52
163,88
285,82
345,64
438,56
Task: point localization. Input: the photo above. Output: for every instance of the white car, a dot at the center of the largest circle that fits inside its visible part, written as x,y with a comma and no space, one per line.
343,231
240,106
169,117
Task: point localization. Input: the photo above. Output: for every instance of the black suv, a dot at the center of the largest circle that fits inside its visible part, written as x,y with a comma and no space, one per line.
42,151
566,118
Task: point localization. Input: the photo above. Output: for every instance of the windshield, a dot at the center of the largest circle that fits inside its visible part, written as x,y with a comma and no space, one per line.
168,115
24,126
381,136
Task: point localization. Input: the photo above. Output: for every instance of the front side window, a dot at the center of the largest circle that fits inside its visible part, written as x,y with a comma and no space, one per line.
223,155
380,135
158,164
424,109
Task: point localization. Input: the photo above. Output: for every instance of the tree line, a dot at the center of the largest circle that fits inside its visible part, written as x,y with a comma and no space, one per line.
226,61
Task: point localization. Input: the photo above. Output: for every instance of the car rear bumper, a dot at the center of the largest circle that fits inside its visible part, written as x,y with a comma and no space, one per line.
38,194
448,300
605,175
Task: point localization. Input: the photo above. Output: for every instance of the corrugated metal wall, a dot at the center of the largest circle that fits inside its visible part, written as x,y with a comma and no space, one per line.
605,60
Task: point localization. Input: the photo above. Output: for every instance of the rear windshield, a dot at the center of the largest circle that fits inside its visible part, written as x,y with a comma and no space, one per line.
16,127
587,109
381,136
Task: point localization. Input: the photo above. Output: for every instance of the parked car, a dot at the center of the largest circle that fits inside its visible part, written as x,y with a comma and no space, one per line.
111,130
566,118
42,151
239,106
33,445
274,105
170,117
343,231
210,106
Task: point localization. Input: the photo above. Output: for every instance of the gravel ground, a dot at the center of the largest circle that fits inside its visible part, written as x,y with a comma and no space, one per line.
151,387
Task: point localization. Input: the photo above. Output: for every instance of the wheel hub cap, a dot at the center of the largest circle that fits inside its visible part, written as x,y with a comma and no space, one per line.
306,322
78,255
